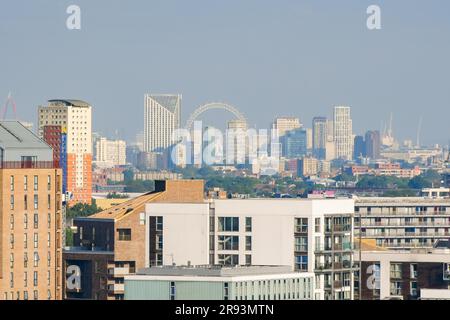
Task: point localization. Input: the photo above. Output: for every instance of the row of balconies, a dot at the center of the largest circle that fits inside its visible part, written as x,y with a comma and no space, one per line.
405,234
404,223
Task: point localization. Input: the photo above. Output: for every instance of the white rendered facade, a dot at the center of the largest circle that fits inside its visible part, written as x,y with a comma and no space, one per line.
343,136
310,235
110,153
284,124
162,115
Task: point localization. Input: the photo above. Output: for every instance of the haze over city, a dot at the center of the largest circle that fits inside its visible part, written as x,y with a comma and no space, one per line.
267,58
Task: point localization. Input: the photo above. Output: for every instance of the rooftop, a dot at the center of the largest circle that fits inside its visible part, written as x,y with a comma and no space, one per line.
71,102
14,135
168,101
214,270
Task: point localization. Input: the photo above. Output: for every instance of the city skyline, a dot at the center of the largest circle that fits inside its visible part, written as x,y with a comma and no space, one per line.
374,72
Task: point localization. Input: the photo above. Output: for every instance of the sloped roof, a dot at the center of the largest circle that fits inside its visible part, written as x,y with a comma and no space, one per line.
169,101
14,135
120,210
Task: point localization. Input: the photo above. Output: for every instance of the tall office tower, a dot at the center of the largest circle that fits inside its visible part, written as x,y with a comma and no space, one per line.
284,124
343,133
319,127
373,143
294,143
110,153
30,217
66,125
162,115
359,147
237,142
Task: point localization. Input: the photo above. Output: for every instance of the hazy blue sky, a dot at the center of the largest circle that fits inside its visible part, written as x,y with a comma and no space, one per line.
268,58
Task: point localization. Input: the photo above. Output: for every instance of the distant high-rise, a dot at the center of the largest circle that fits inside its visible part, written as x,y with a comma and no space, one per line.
319,127
110,153
66,125
294,143
162,115
373,142
343,138
237,143
359,147
284,124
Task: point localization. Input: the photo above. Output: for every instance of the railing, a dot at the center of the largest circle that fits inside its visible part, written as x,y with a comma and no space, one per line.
406,234
411,213
29,164
400,224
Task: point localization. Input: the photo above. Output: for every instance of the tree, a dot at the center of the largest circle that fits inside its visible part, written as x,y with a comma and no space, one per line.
82,210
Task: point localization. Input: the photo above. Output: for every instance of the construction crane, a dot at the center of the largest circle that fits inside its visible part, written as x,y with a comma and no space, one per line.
9,101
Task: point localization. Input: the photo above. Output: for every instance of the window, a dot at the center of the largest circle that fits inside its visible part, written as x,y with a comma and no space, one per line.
25,260
35,201
228,259
35,293
396,271
36,259
248,243
25,240
413,287
159,259
12,202
35,183
49,277
25,295
317,225
35,240
11,183
413,271
11,260
25,202
11,222
11,240
35,278
25,279
49,202
229,224
225,291
248,259
49,183
172,291
301,225
159,242
25,183
301,244
124,234
159,223
396,288
49,221
35,221
48,240
301,263
25,221
248,224
11,283
228,242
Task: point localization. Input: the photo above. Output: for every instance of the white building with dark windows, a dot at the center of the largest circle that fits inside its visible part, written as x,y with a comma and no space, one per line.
343,135
310,235
162,115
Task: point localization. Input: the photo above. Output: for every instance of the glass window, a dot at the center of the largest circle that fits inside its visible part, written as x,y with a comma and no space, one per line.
124,234
301,225
248,243
11,183
172,291
301,263
396,271
230,224
317,225
35,201
228,242
159,223
25,183
248,224
35,181
301,244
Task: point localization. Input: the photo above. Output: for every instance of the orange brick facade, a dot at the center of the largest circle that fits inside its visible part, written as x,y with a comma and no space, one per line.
83,194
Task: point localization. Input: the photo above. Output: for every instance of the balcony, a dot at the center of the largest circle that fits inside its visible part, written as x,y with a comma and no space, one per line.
116,288
118,271
29,164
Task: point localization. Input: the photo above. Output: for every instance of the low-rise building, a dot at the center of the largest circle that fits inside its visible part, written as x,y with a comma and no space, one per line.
219,283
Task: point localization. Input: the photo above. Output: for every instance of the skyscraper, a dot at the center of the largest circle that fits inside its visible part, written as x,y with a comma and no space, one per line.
236,141
343,133
284,124
66,125
162,115
319,127
373,142
294,143
359,147
110,153
30,217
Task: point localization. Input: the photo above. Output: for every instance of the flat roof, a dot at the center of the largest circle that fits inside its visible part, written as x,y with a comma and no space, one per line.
214,271
71,102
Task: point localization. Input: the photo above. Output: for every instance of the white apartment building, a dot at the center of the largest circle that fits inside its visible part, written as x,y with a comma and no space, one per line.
110,153
403,223
343,136
310,235
162,115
